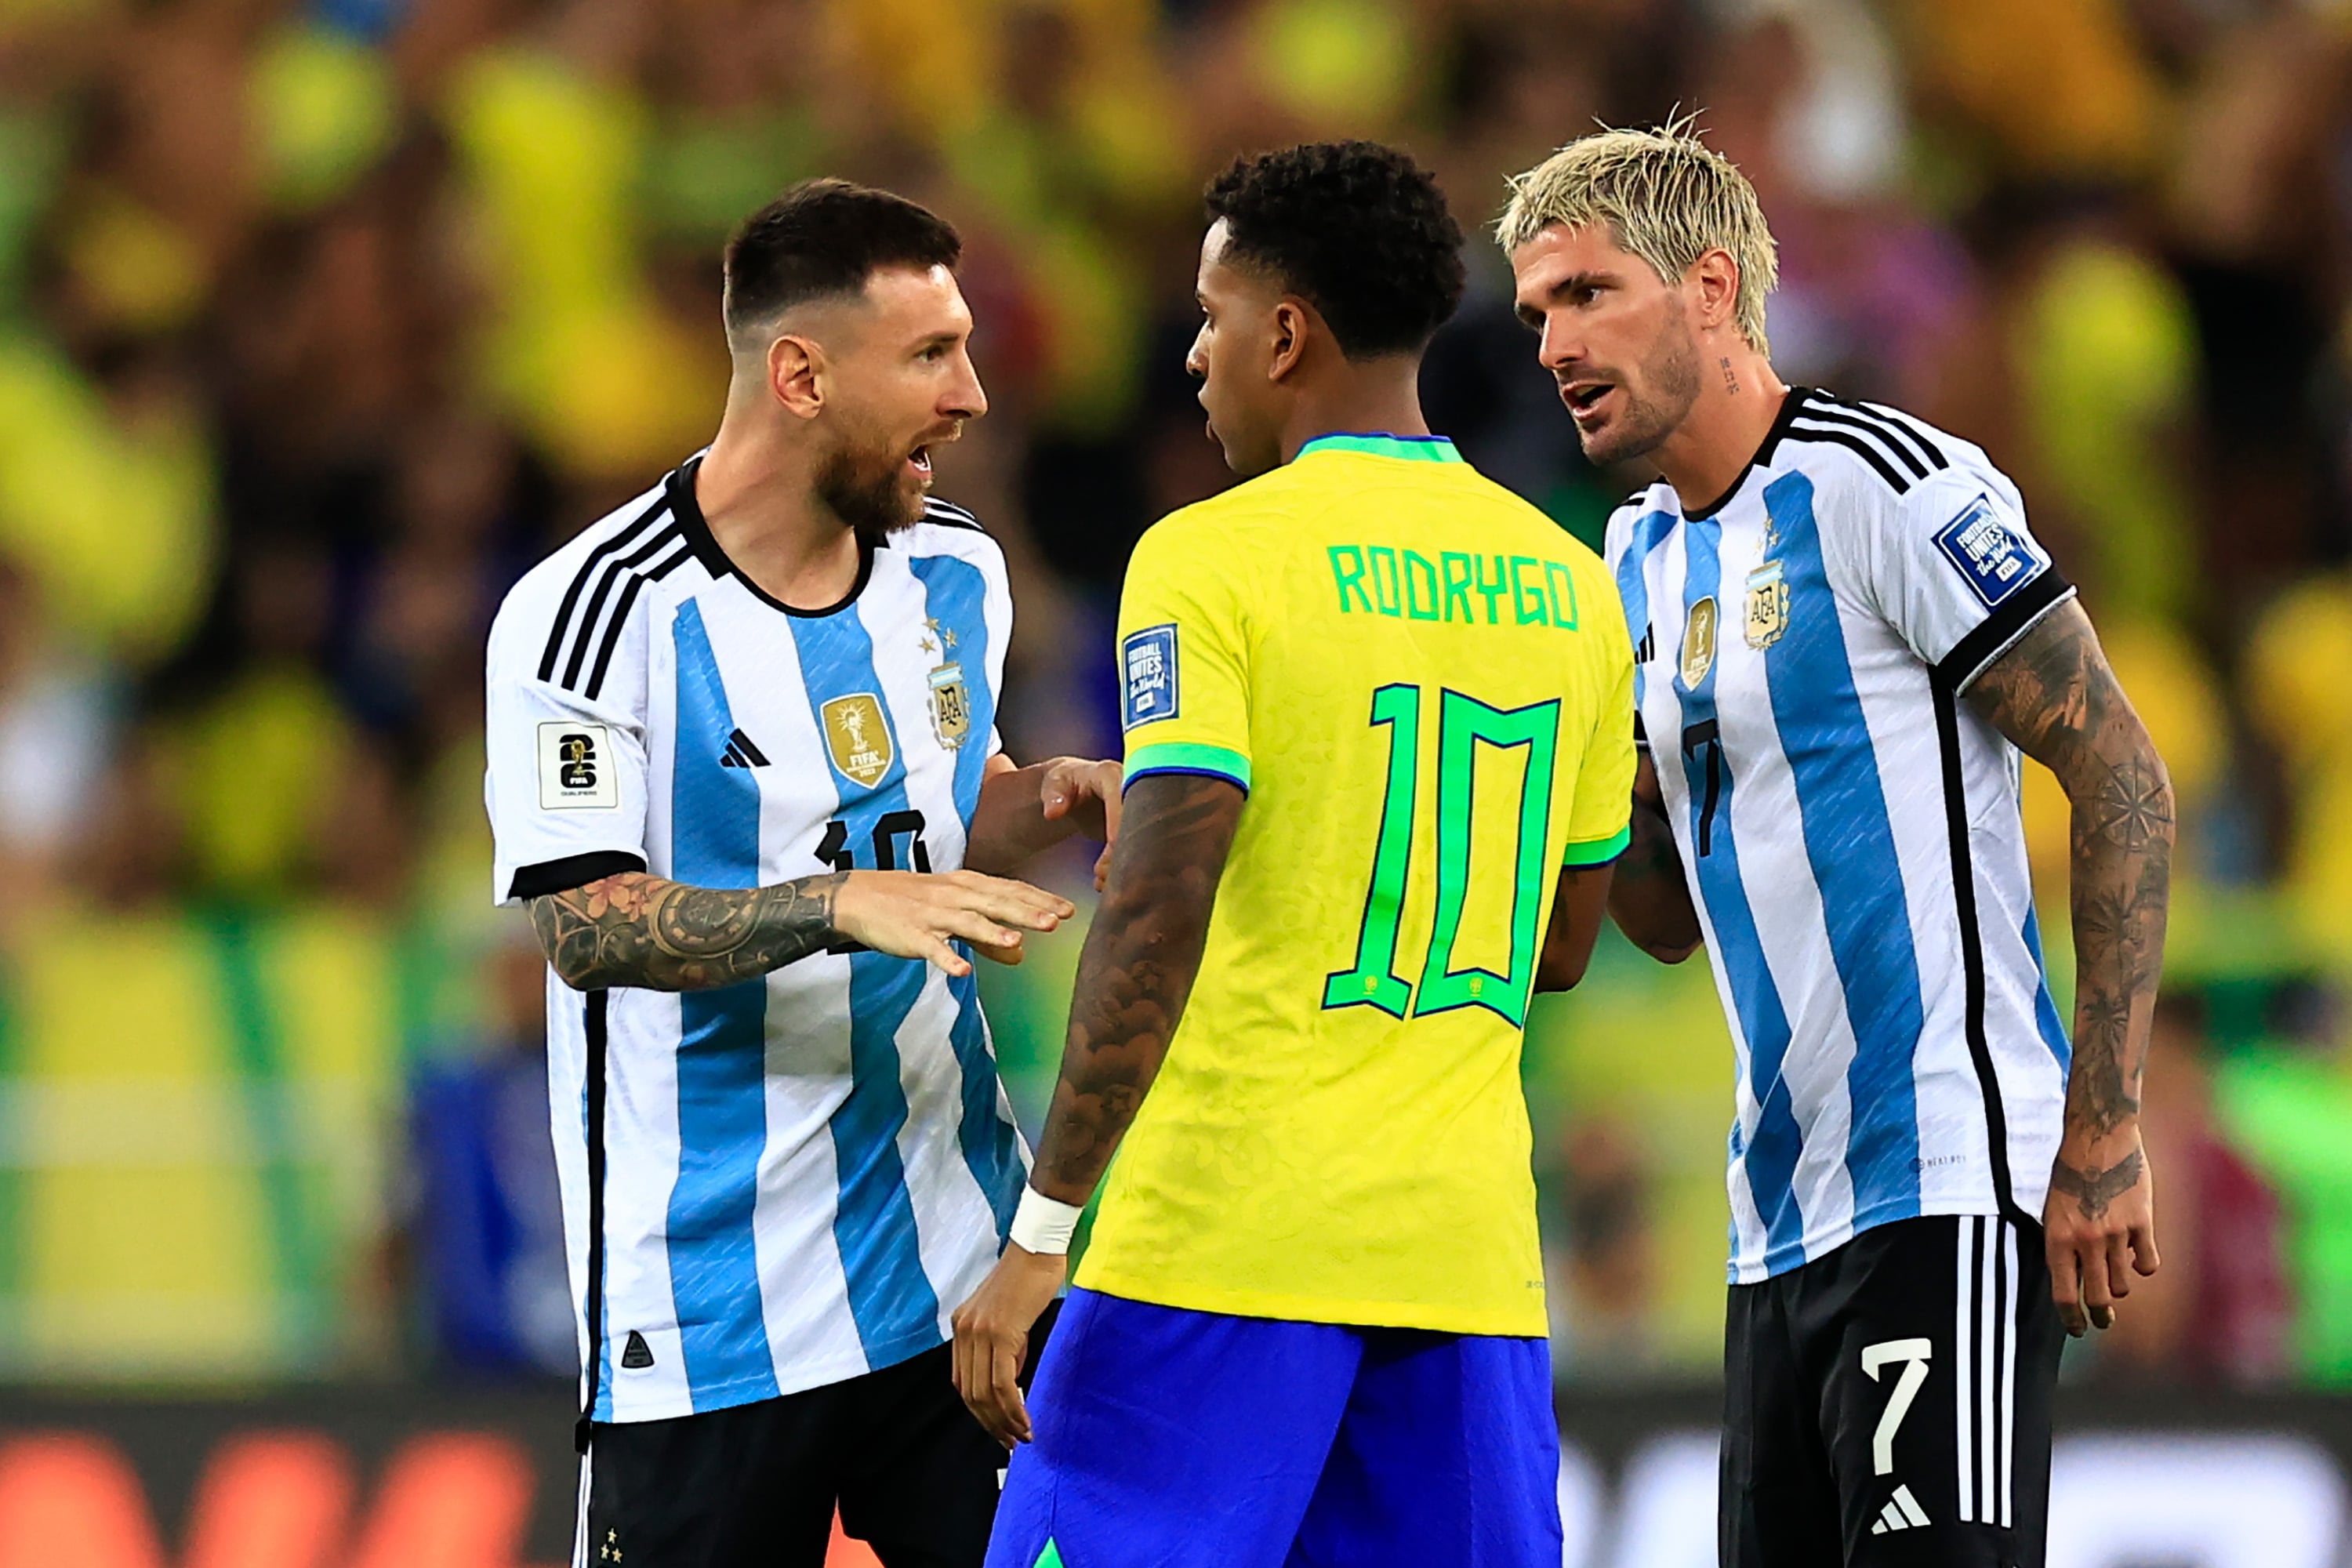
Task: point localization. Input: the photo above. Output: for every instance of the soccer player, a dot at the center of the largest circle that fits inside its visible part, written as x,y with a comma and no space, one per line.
744,772
1380,740
1845,634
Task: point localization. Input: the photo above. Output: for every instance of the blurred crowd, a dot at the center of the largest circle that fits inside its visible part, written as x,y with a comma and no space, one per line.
320,322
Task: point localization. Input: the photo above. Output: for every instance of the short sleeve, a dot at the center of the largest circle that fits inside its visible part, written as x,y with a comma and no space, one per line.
566,785
1184,659
1959,575
1601,810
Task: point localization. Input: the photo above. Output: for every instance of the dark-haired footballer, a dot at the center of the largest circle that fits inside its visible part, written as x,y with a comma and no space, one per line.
745,776
1380,726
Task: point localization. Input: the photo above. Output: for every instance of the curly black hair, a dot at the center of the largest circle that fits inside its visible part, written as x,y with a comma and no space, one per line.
1357,230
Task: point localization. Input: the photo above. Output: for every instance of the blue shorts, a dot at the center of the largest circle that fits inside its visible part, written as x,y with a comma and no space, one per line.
1168,1438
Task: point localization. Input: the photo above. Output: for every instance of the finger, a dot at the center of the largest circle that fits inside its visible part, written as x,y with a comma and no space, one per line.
2103,1318
2064,1289
941,955
1008,1388
1102,869
2098,1301
1113,799
2119,1265
2142,1244
1015,903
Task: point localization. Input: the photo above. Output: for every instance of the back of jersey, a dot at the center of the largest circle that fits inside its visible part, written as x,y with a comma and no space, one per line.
1425,689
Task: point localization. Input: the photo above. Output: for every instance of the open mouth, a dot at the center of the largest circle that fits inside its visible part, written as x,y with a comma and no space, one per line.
919,460
1584,398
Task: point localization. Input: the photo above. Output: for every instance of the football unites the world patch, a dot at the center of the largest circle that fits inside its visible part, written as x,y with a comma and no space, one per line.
1147,662
1995,559
576,767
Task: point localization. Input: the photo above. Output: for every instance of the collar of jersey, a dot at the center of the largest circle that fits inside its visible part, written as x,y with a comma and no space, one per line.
1380,444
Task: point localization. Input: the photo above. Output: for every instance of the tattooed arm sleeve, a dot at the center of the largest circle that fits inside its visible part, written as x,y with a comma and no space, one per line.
1137,968
640,930
2054,696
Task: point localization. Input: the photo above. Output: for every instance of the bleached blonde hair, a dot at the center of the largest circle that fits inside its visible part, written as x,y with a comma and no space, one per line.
1668,197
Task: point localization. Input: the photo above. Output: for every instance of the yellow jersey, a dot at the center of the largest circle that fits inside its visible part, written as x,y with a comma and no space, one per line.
1425,688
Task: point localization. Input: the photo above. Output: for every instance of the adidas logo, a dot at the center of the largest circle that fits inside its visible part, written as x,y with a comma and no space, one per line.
1902,1512
741,753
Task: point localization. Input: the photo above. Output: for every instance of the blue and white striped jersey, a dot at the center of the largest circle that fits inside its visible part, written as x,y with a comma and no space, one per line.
1850,828
787,1182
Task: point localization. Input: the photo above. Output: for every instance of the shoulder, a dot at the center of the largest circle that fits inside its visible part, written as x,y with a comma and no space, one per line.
1882,453
560,614
950,530
1619,533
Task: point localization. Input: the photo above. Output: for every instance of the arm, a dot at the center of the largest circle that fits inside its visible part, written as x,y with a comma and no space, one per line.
1025,811
645,930
1576,909
1134,976
2055,698
1650,897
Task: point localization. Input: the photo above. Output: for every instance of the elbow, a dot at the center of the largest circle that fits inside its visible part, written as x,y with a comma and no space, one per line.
1560,972
1669,952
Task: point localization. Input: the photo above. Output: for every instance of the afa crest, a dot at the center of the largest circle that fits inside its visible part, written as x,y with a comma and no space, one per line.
859,737
1698,643
950,705
1767,604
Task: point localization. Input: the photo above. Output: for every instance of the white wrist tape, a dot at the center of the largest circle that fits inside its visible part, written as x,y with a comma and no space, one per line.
1042,1225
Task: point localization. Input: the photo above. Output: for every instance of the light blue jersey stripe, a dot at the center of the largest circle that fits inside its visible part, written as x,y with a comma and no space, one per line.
1849,842
1650,530
721,1058
1771,1153
956,594
891,1299
2045,1007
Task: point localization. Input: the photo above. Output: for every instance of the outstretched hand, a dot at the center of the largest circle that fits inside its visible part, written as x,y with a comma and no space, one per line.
911,914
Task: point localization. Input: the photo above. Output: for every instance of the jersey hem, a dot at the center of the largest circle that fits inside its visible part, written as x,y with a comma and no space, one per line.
1187,757
1346,1313
1598,851
741,1390
1814,1249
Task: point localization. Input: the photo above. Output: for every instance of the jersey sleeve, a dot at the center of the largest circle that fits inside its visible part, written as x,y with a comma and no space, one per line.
1958,575
566,785
1600,811
1184,659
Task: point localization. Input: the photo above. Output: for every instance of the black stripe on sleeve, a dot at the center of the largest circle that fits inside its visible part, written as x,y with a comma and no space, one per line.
613,573
1901,453
1998,632
1964,903
571,871
1867,450
618,543
585,1427
612,629
1897,430
947,514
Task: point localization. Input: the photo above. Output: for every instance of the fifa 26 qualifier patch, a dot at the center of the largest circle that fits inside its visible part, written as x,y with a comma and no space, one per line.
1996,559
1147,662
575,768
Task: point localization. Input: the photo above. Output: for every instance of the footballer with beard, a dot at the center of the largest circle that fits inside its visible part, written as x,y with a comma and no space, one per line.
744,775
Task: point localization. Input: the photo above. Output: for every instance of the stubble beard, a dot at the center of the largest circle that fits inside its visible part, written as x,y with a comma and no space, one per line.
861,484
1671,369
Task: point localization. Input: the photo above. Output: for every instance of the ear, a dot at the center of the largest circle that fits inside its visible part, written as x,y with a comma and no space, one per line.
1291,318
796,375
1714,282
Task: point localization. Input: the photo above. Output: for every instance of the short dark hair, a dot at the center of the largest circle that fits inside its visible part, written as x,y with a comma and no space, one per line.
1357,230
827,237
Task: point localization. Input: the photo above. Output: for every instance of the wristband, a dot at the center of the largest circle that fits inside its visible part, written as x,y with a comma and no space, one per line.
1042,1225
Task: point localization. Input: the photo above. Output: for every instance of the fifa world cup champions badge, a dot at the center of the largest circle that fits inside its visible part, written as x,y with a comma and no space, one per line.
859,737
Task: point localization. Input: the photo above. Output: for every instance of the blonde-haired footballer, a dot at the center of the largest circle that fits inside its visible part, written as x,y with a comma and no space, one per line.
1845,634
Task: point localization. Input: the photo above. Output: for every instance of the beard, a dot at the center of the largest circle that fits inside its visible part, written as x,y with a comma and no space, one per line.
1670,371
862,482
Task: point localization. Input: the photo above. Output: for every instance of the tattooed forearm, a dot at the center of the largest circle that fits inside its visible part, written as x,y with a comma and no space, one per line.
2056,697
1650,897
1137,968
638,929
2093,1189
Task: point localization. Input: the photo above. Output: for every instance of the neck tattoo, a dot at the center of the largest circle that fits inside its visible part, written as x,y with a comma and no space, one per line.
1730,382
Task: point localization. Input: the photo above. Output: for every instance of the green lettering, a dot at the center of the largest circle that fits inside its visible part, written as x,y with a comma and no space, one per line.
1492,590
1453,561
1413,605
1556,574
1350,581
1388,597
1521,592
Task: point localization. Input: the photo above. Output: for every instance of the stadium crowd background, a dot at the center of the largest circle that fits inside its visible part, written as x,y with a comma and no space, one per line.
318,324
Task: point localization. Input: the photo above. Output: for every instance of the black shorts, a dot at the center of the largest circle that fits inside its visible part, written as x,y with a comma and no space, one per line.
912,1473
1890,1403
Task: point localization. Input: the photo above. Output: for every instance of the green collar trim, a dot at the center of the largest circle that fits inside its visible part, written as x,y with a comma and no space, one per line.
1376,444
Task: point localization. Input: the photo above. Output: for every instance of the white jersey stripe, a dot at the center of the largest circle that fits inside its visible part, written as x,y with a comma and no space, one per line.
1964,1331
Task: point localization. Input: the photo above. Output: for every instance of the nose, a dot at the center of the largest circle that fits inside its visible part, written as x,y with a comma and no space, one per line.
1196,358
965,399
1558,349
